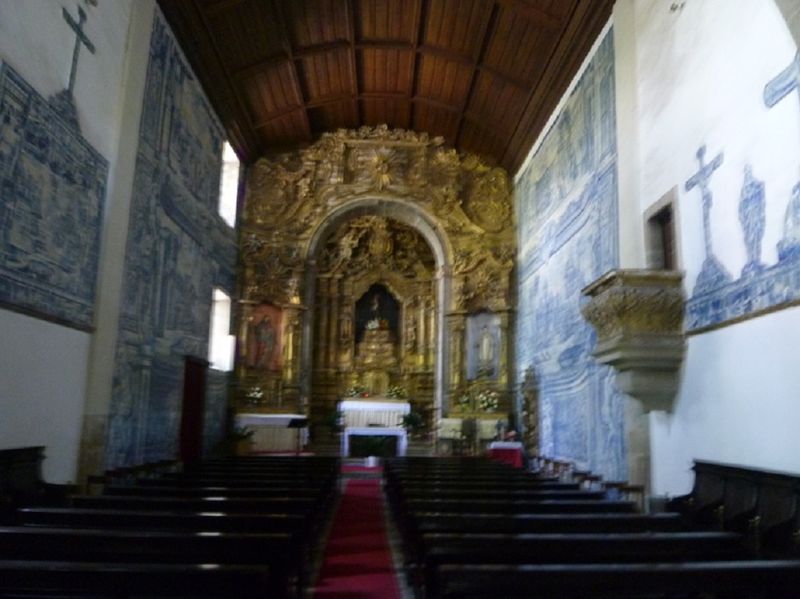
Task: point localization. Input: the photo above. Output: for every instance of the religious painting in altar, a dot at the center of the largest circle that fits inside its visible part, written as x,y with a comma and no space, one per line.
263,346
377,309
483,343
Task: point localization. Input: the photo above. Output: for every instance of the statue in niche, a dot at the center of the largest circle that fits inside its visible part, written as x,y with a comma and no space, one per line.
486,349
377,310
483,330
377,319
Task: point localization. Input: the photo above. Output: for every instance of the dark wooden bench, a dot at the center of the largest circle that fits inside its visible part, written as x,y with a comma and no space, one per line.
459,548
203,491
427,522
222,504
280,551
760,579
44,578
167,521
494,506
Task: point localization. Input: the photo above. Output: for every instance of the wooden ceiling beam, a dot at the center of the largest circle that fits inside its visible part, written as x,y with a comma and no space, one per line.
350,17
477,58
531,12
295,76
413,64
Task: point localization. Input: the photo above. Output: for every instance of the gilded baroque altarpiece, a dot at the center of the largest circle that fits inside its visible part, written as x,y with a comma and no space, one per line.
376,246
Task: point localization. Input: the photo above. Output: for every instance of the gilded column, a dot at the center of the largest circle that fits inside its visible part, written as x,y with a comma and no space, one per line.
456,326
502,376
321,341
332,346
430,344
345,343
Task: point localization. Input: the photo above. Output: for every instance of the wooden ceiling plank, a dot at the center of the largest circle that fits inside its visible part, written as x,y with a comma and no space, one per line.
582,26
435,103
287,46
220,6
238,105
535,14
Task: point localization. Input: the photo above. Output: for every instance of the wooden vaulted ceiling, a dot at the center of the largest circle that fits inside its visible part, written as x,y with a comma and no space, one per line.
483,74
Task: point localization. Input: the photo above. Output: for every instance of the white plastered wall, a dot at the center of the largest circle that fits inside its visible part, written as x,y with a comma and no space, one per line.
46,369
699,71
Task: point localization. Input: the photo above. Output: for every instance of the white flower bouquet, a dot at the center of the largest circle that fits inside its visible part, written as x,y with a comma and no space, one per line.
488,400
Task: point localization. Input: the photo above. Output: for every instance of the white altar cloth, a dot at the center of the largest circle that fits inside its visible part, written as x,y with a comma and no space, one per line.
505,445
271,432
364,412
375,431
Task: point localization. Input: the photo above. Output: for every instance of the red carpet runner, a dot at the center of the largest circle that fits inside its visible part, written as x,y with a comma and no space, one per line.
358,562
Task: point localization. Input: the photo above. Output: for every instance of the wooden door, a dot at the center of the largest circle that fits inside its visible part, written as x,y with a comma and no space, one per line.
194,393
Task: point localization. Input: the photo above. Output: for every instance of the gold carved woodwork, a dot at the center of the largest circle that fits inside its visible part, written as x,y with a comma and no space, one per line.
289,197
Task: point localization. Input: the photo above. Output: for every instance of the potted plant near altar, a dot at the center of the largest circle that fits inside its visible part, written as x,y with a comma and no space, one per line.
414,423
238,441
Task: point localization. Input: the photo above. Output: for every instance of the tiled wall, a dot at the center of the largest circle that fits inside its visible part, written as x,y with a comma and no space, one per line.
52,189
178,250
568,228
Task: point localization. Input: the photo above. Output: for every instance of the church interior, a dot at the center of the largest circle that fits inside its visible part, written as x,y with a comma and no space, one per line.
429,268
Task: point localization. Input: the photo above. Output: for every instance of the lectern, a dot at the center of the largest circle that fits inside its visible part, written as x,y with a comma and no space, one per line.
297,424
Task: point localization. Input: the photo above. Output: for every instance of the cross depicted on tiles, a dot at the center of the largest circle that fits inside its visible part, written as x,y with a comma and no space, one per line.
700,179
80,38
787,81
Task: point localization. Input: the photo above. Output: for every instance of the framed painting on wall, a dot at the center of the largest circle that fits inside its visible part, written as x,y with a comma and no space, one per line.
264,343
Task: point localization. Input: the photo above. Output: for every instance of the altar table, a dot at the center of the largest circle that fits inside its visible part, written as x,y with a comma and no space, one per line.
271,432
507,452
366,412
375,431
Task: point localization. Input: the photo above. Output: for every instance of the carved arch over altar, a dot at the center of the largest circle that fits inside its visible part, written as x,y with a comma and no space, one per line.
404,211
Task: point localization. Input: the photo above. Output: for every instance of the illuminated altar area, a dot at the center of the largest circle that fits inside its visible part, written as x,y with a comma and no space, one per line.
376,264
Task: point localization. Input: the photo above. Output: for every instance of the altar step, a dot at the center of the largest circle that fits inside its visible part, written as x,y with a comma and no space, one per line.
331,447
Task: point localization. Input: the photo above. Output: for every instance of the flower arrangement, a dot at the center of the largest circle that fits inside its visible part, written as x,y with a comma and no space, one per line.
464,401
488,400
396,392
254,394
356,391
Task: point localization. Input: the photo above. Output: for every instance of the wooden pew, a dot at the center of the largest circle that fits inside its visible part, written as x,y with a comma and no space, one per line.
430,522
617,548
227,491
521,506
285,503
166,521
761,579
44,578
280,551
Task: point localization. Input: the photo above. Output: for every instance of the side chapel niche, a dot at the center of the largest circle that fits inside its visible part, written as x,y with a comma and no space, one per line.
376,258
